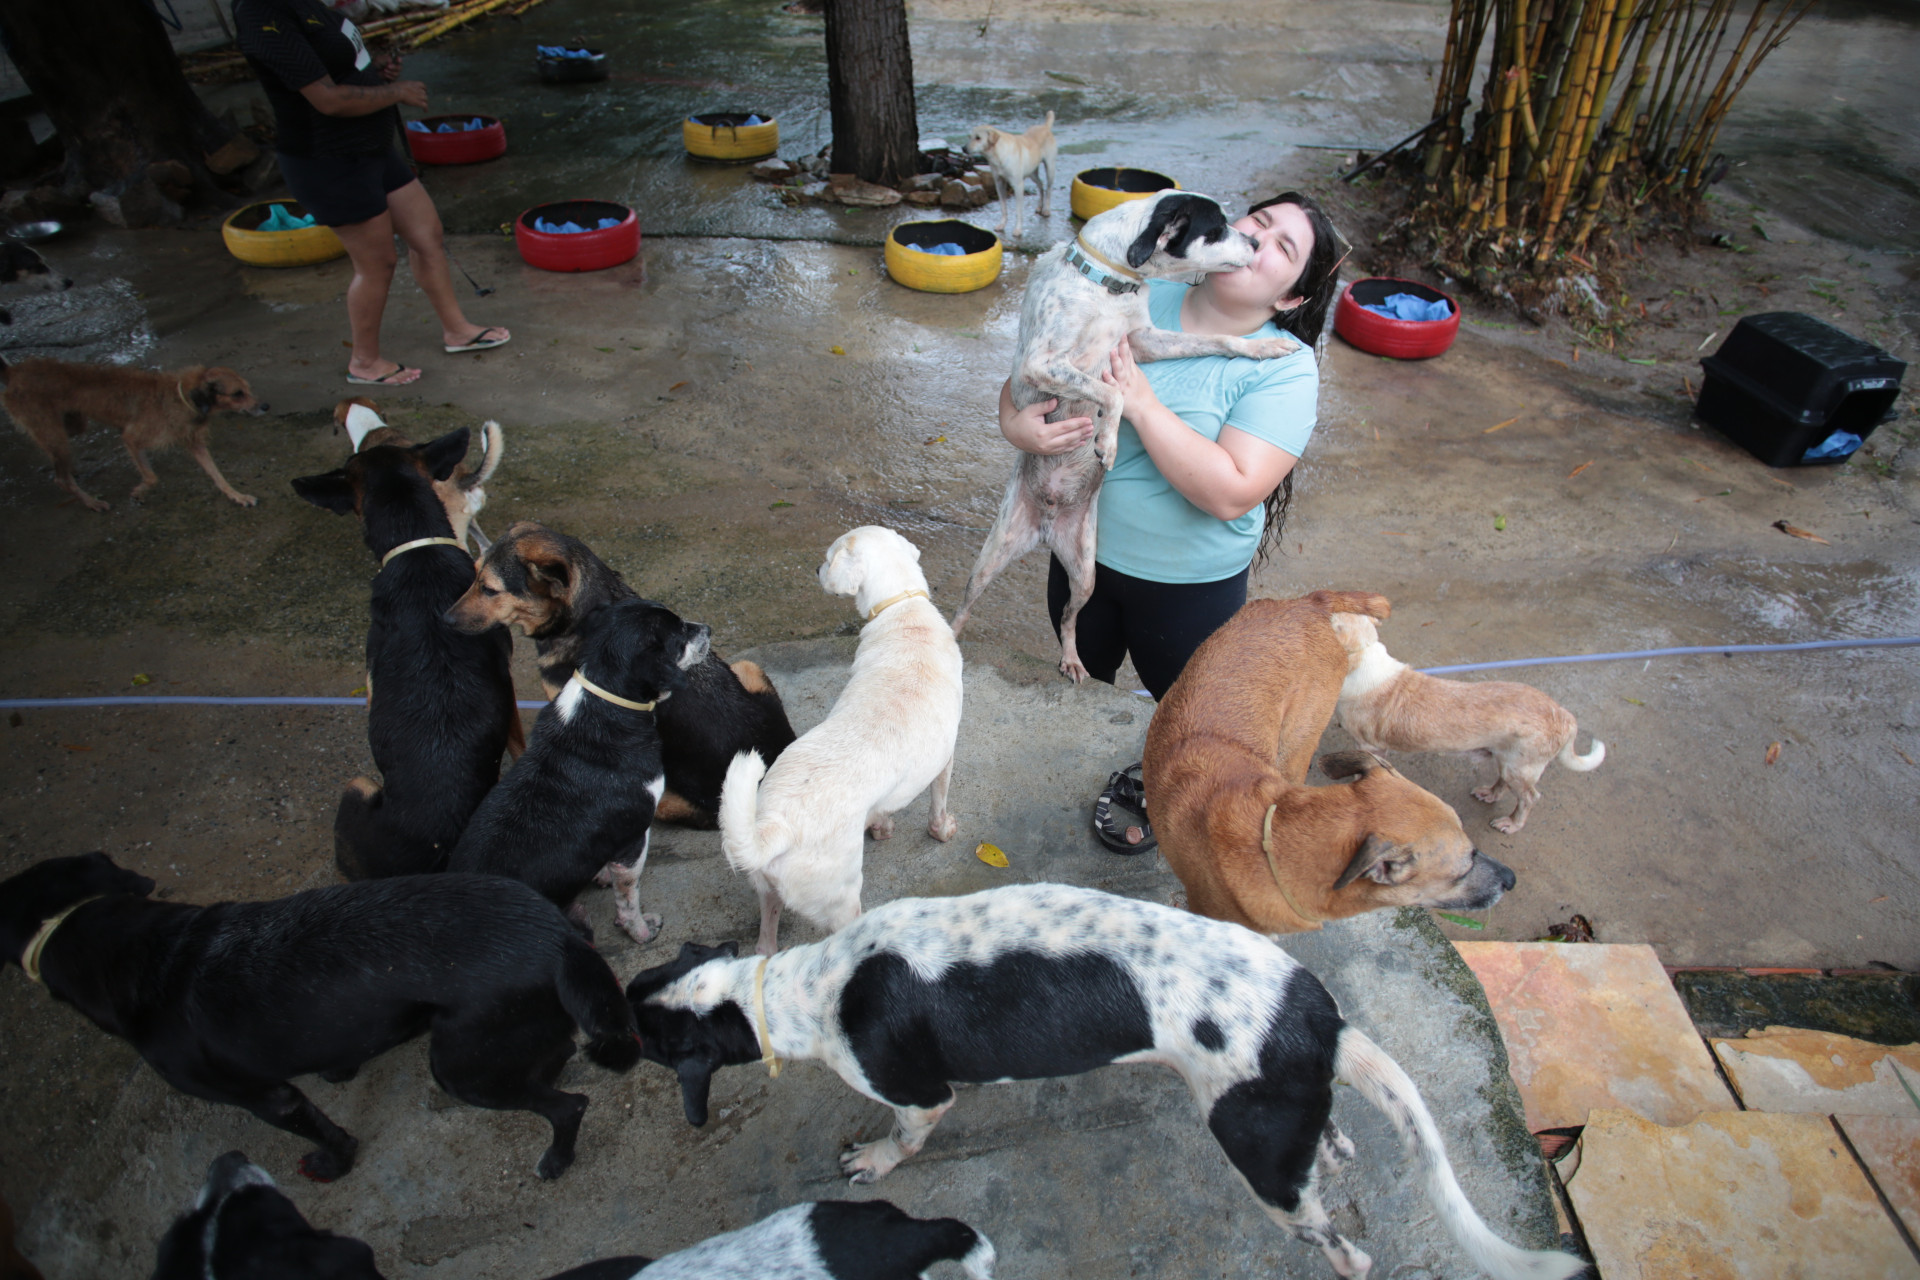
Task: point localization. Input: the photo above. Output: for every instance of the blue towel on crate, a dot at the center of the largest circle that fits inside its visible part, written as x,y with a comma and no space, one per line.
278,219
1841,444
947,250
1407,306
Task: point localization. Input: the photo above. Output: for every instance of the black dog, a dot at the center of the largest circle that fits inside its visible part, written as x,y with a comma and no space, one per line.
229,1002
548,584
440,703
582,797
242,1228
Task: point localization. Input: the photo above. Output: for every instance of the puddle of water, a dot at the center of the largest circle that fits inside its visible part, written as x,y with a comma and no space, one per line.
1770,601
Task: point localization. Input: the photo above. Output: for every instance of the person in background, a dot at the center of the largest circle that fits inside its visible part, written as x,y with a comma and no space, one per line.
336,113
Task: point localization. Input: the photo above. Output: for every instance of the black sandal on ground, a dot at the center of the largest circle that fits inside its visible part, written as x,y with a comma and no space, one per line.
1125,792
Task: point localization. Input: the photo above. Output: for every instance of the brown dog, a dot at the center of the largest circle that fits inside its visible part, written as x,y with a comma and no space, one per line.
1388,706
1252,842
52,400
462,494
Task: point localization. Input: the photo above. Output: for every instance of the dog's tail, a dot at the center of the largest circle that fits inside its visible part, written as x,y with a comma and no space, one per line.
1365,602
1580,764
740,814
494,446
1366,1066
592,997
1049,119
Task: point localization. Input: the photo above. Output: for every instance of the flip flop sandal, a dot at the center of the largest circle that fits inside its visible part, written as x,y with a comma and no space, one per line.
386,380
1125,792
481,342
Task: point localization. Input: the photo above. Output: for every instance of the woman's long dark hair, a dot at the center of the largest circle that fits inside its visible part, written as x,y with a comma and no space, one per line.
1319,285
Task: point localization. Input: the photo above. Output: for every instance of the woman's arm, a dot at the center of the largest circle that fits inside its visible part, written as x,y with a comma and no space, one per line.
1028,429
1225,478
331,99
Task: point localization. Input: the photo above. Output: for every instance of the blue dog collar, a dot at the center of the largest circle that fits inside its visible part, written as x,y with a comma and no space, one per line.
1097,269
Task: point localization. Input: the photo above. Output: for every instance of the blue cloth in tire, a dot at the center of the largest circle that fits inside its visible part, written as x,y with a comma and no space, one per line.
561,51
947,250
572,228
278,219
1408,306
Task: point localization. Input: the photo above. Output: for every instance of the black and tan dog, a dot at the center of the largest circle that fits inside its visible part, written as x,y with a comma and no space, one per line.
463,493
52,400
546,583
440,701
229,1002
582,797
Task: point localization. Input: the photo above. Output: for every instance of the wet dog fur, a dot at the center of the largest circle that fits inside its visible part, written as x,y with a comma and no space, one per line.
488,967
1069,326
546,583
1388,706
582,796
463,493
1047,980
1013,157
440,702
52,401
1225,777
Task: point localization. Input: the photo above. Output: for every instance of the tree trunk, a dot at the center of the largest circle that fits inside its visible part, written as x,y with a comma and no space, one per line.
136,135
870,86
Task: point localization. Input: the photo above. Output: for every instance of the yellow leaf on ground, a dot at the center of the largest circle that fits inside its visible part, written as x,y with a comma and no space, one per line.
991,855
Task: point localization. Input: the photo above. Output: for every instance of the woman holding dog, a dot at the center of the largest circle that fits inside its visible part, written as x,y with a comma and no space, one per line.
1204,470
336,121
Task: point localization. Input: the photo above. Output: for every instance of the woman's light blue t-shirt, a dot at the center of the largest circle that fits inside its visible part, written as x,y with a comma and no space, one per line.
1147,529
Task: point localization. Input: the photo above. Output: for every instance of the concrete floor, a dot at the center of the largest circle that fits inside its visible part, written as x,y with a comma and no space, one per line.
686,416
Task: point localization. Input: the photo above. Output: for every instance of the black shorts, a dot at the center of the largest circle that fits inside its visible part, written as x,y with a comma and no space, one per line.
1157,624
342,190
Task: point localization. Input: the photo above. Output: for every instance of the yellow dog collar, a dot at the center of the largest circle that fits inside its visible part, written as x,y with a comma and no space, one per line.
30,957
891,601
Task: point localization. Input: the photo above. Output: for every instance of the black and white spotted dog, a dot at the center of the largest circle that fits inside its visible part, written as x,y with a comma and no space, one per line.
1082,298
1048,980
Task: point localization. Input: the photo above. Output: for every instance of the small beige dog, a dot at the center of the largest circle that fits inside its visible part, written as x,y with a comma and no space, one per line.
795,828
1388,706
1013,157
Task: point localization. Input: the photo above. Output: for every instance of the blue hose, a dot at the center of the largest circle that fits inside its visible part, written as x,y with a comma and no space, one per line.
204,700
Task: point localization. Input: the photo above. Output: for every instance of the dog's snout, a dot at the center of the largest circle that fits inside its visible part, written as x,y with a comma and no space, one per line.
260,409
1501,871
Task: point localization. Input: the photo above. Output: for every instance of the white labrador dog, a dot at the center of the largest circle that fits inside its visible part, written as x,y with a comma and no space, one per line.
795,829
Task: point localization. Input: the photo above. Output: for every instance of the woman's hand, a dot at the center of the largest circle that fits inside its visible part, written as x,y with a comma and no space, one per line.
1029,431
1124,373
411,93
390,68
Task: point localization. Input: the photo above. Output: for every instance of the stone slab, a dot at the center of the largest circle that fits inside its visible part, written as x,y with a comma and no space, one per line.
1594,1026
1820,1073
1890,1148
1741,1195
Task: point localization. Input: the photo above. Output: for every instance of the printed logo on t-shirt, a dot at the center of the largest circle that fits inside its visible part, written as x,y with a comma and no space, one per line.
361,58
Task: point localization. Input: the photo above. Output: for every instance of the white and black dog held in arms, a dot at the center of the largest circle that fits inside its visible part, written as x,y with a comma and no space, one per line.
1082,298
1036,981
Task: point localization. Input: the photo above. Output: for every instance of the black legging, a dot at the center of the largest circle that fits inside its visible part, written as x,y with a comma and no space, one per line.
1159,623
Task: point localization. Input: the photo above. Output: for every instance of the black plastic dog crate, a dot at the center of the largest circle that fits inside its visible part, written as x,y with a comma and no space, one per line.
1783,382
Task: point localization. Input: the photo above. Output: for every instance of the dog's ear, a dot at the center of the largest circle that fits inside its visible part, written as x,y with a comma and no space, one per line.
696,1081
332,491
1380,860
1340,765
553,576
1176,221
446,453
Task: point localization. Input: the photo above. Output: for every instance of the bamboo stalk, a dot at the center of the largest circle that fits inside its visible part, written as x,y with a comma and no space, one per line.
437,29
1568,162
1691,145
1566,103
1767,46
1626,18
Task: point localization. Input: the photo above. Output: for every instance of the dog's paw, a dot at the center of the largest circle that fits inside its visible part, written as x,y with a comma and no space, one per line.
1508,825
944,828
865,1162
1271,348
881,828
244,499
1073,670
94,504
641,927
553,1164
1487,795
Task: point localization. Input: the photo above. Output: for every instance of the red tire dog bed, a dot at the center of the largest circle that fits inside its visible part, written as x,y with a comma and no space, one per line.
578,250
1385,336
462,146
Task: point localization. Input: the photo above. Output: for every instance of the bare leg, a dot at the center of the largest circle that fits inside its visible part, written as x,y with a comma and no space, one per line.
370,247
872,1161
941,825
147,478
205,459
418,223
769,914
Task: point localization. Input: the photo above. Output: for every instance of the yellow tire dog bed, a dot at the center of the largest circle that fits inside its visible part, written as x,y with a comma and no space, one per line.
976,268
1098,190
726,135
301,248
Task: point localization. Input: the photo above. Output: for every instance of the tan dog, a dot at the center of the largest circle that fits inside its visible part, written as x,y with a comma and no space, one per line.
1225,776
1014,156
1388,706
462,493
52,400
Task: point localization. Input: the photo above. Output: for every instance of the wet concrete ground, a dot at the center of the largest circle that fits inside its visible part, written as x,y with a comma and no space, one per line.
685,415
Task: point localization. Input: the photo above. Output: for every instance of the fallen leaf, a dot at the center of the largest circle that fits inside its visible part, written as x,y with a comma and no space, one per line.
1797,532
1462,921
1688,384
776,505
838,351
1499,524
1904,756
1777,480
991,855
1578,929
934,440
1498,425
1709,338
675,387
1773,752
1703,466
603,348
1635,701
361,692
141,677
1638,360
74,746
1882,898
1577,470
